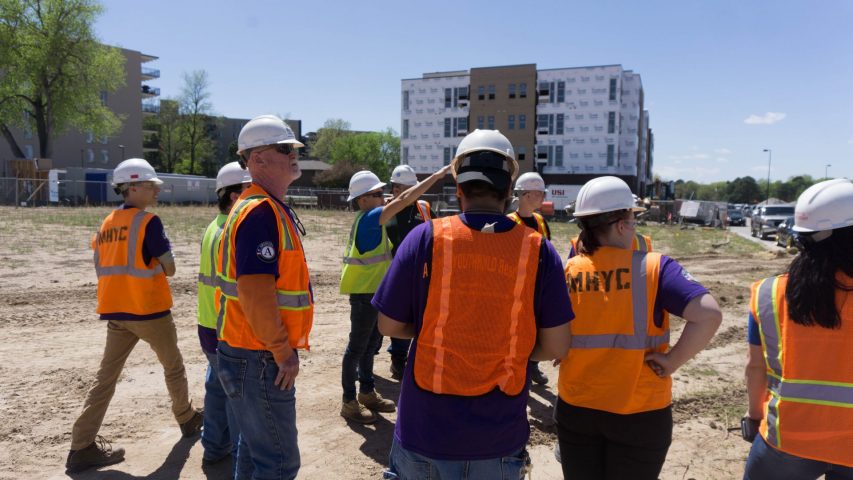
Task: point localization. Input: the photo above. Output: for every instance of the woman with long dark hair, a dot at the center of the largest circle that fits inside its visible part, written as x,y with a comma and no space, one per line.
614,414
799,373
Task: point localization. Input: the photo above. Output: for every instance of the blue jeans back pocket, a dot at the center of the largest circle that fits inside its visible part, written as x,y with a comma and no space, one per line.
232,374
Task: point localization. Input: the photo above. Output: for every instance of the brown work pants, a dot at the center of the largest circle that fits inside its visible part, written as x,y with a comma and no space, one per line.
122,336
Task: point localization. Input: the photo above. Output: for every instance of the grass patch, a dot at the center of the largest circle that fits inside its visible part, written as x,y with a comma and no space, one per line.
725,406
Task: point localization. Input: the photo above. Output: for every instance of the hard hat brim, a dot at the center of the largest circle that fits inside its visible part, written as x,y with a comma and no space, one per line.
599,212
374,187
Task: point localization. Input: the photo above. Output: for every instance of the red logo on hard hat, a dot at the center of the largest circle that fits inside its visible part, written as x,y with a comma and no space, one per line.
134,176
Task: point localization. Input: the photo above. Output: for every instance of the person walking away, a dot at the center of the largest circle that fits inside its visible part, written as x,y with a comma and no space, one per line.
132,260
463,400
799,374
366,259
266,302
220,433
614,412
398,227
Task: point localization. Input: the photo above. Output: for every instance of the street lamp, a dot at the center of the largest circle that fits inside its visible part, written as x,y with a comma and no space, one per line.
769,158
826,171
122,152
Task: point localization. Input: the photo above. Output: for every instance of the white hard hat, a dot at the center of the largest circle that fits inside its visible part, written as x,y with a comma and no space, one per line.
404,175
231,174
530,181
465,170
134,170
265,130
363,182
604,194
825,206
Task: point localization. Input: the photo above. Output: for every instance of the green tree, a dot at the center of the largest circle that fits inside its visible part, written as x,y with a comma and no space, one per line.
172,145
333,130
195,110
377,151
54,71
743,190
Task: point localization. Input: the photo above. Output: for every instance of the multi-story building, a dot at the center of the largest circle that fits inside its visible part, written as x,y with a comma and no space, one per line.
83,149
569,124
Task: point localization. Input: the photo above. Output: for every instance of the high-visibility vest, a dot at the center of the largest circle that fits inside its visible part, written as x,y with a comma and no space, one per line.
363,272
640,243
207,278
478,325
613,295
808,407
540,222
293,286
423,209
126,284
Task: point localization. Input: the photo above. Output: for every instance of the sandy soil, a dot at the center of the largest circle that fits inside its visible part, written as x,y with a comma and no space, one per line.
51,343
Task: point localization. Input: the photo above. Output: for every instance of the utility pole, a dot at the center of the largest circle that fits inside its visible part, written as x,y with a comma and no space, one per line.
769,158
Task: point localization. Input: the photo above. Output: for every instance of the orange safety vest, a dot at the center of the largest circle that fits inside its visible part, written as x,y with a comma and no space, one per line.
293,286
540,222
641,243
423,209
125,283
478,326
613,295
808,406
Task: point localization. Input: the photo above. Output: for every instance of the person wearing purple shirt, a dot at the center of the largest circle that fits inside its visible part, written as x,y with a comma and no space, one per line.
446,435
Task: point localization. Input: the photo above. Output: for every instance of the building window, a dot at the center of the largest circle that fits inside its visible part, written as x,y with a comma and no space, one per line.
103,97
90,155
542,154
105,156
480,121
511,90
406,100
542,124
522,121
611,150
521,153
406,128
510,120
90,137
491,122
522,90
447,127
612,89
405,155
558,156
481,93
561,92
611,122
447,94
462,127
447,155
491,92
462,93
28,151
544,92
560,122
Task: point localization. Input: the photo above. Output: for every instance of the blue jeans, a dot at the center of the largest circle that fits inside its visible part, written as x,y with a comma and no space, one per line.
364,340
221,434
265,413
767,463
408,465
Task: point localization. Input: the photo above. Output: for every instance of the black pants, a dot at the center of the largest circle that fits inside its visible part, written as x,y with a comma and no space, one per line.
599,445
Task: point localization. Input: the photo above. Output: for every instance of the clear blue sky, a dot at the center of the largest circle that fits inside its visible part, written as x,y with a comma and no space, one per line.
723,79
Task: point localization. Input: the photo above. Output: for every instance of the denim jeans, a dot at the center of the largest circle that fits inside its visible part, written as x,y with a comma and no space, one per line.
265,414
399,348
364,339
767,463
221,434
408,465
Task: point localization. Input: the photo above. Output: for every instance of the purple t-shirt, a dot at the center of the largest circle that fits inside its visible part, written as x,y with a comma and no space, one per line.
676,288
154,244
450,427
258,242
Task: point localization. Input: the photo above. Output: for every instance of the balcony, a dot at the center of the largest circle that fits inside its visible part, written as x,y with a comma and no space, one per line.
150,92
149,73
150,108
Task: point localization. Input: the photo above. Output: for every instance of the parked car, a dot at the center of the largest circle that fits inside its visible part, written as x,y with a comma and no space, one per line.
785,233
765,221
736,217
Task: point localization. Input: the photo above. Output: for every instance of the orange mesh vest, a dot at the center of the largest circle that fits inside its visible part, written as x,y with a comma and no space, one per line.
293,287
478,326
540,222
423,209
641,243
613,294
808,409
125,283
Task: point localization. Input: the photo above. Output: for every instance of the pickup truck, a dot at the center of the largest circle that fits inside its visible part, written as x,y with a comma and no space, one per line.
765,221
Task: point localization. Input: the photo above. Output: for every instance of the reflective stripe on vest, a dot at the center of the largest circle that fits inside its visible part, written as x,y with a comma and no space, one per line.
640,243
130,268
212,280
540,222
640,340
815,392
384,256
423,208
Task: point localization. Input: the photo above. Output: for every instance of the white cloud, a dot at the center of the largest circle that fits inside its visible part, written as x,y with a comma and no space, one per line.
723,151
768,118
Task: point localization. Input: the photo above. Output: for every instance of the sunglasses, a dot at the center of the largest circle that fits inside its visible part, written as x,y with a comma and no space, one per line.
283,148
378,194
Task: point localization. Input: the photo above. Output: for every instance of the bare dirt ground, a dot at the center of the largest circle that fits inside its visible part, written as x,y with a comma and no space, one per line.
51,343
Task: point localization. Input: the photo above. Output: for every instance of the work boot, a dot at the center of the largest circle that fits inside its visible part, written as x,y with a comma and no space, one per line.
374,401
356,412
192,426
536,375
99,453
398,365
